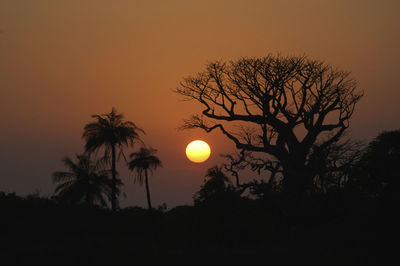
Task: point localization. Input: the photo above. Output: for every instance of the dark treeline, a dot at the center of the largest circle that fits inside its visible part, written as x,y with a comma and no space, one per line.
316,198
350,225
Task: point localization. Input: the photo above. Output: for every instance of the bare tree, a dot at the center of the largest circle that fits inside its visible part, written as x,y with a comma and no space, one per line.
277,105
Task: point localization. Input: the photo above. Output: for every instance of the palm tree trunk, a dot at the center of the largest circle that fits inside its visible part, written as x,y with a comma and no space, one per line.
147,189
114,180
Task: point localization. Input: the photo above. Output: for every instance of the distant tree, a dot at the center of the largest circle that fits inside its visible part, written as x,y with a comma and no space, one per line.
377,174
275,105
216,185
141,162
84,182
111,132
333,165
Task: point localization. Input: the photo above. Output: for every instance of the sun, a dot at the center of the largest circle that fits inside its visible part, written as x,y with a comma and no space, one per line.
198,151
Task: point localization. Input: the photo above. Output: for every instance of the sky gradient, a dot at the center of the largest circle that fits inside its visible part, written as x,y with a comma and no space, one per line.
62,61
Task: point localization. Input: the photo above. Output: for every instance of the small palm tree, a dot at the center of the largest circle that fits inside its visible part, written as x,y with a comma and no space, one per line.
141,162
84,182
111,132
217,184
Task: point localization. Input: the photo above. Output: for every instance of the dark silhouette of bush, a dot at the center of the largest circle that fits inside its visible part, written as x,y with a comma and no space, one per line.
41,231
377,173
217,188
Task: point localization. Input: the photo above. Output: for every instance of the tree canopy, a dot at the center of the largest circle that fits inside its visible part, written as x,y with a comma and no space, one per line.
377,172
216,185
281,106
86,181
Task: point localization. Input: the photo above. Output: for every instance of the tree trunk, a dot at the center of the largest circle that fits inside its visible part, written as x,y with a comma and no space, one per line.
296,183
114,180
293,196
147,190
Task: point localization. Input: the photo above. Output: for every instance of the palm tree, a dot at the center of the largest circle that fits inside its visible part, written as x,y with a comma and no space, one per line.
111,132
217,184
141,162
84,182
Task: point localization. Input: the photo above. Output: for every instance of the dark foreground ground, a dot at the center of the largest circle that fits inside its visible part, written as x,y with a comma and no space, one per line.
38,231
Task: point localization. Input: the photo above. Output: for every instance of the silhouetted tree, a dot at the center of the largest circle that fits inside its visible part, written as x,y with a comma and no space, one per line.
377,173
84,182
333,165
216,184
141,162
111,132
275,105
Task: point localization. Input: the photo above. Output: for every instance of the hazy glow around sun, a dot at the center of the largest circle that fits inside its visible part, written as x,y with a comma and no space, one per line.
198,151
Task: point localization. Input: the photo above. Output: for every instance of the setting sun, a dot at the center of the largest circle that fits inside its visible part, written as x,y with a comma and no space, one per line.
198,151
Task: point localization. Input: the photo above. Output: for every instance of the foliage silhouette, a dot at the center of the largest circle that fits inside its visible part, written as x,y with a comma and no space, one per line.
84,182
333,165
377,173
337,227
348,220
216,187
282,106
141,162
111,132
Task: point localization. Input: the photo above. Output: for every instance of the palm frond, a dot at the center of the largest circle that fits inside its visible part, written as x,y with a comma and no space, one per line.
62,176
143,160
87,181
110,129
63,186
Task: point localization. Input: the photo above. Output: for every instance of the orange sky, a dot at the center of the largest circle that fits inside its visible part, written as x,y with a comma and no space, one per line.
61,61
